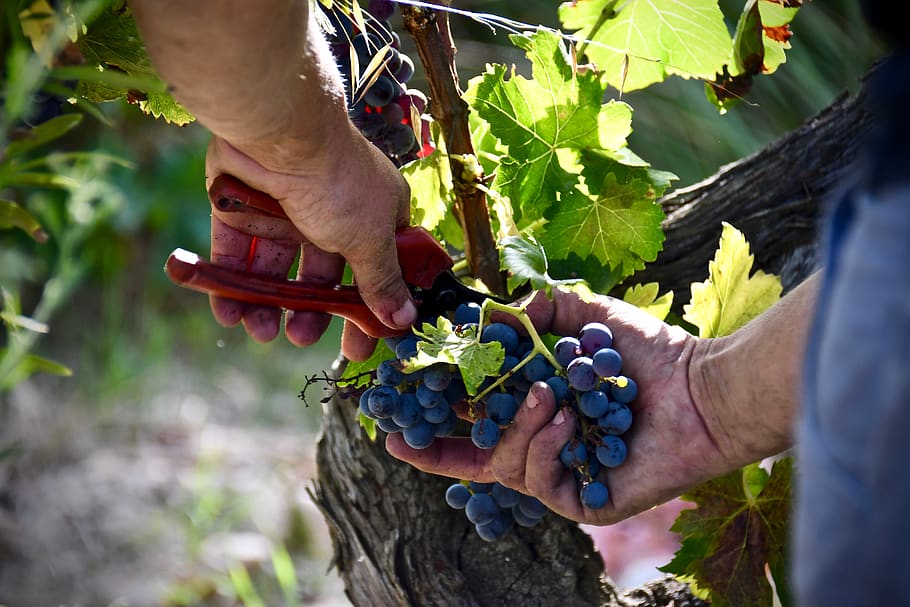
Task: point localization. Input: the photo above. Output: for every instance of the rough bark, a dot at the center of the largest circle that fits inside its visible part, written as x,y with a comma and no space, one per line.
396,541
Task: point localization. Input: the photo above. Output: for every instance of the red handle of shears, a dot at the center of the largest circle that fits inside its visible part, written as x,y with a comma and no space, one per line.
421,257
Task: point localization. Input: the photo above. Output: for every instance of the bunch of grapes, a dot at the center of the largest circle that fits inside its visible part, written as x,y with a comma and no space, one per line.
586,378
493,508
380,105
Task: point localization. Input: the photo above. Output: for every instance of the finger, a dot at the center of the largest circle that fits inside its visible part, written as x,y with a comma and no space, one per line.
455,457
383,289
316,268
546,477
355,344
229,249
269,258
511,454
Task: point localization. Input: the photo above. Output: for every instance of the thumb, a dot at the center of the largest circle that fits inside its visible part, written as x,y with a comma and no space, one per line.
383,289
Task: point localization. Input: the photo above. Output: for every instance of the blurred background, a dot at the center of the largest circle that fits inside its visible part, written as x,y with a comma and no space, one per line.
172,466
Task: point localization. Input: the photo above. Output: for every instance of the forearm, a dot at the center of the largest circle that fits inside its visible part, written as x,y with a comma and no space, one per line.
257,74
747,385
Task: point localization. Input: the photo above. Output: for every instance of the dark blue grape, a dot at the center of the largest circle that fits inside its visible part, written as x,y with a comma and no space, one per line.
485,433
612,452
437,377
457,496
532,507
594,495
617,419
420,435
366,45
566,350
537,369
405,71
607,362
438,414
399,139
505,497
455,392
523,519
384,401
478,487
364,403
409,413
594,336
481,508
501,408
581,375
573,454
560,388
468,312
381,93
502,333
495,529
429,398
594,403
388,425
626,394
407,347
389,373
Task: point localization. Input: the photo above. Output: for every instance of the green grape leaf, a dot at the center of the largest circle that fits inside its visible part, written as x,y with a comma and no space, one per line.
14,216
740,526
368,424
619,226
430,180
356,373
644,41
30,364
526,261
441,344
646,297
112,43
559,108
730,298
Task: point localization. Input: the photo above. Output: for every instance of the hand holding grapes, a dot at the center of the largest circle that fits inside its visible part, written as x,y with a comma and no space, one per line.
680,436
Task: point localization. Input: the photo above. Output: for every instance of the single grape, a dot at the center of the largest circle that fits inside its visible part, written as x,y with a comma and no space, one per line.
455,392
505,497
447,426
457,496
399,139
532,507
495,529
384,401
502,333
437,377
485,433
617,419
388,425
594,403
429,398
478,487
566,350
523,519
537,369
573,454
594,495
468,312
612,452
581,375
437,414
420,435
364,403
501,408
560,388
389,373
594,336
407,347
405,70
381,93
481,508
626,393
607,362
409,413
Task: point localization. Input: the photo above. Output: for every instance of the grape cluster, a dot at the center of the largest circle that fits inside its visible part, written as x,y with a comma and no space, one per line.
379,103
586,379
493,508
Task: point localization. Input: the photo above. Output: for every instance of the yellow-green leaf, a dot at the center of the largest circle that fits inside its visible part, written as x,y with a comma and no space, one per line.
646,297
730,298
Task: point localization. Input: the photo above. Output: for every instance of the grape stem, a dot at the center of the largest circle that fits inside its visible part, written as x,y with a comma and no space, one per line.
519,312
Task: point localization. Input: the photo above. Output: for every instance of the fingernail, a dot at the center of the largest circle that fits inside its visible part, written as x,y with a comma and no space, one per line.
406,314
560,418
531,400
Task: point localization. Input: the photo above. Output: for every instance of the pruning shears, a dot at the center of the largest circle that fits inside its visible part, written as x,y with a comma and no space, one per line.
425,266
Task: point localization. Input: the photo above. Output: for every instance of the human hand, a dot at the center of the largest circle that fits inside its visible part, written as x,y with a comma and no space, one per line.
344,206
671,447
